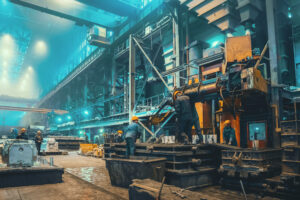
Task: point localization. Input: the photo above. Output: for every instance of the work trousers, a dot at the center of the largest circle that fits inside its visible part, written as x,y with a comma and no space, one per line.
185,126
130,146
38,147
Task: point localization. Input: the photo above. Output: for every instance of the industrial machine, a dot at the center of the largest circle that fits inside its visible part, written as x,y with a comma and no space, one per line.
231,86
49,145
19,153
98,36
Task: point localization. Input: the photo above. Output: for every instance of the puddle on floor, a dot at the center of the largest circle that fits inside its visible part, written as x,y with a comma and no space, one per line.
95,175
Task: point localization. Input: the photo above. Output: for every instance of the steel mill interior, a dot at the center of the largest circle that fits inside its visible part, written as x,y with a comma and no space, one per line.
149,99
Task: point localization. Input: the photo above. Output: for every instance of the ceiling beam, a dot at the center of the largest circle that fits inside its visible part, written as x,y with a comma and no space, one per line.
113,6
5,98
75,11
39,110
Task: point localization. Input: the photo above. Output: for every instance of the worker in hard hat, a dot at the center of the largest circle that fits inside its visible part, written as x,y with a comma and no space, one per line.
229,134
38,141
119,136
132,133
22,134
184,116
13,133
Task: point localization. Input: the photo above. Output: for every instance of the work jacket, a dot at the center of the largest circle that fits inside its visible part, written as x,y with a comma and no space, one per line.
183,108
22,136
38,139
132,131
229,135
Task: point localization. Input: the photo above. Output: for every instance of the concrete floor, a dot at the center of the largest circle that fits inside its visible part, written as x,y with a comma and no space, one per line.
86,178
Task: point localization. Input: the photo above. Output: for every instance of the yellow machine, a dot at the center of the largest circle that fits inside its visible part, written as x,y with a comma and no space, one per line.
98,152
86,149
238,52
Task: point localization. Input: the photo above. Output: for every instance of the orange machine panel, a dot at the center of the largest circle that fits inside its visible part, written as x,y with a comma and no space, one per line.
204,113
238,48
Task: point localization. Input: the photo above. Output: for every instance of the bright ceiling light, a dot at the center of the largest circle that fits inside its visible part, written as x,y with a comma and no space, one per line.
7,39
215,43
4,80
30,68
7,47
40,48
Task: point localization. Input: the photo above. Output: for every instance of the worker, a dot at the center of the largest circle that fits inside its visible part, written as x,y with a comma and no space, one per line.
132,133
229,134
184,116
13,133
86,138
38,141
119,136
197,125
22,134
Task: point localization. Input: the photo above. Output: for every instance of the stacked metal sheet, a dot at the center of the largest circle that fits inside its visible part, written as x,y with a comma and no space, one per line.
186,165
251,164
68,142
290,142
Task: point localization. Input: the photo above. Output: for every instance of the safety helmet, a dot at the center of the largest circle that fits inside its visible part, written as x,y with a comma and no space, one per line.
227,122
39,132
176,93
23,130
120,131
134,118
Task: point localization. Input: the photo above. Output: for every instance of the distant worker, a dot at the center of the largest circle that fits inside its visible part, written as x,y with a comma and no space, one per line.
86,138
38,141
184,116
22,134
229,134
132,133
13,133
119,136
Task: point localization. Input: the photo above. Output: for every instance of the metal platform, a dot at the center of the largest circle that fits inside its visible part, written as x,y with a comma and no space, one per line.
54,153
186,165
13,177
251,164
123,171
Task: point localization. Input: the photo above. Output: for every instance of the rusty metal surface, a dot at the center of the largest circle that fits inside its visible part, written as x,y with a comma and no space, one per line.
123,171
238,48
13,177
147,189
290,139
248,163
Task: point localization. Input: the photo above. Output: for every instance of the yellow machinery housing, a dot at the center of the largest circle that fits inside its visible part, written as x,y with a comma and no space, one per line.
87,148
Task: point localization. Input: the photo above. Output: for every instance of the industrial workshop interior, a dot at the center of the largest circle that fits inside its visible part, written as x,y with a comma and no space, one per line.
149,99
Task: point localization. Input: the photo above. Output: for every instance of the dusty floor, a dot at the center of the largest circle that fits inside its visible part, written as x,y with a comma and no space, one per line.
85,178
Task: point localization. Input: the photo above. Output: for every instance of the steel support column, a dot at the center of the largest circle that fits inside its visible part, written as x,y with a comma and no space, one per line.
177,53
131,77
85,90
274,69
